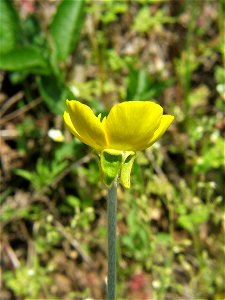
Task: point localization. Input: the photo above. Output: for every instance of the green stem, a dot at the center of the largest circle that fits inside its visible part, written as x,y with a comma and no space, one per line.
111,211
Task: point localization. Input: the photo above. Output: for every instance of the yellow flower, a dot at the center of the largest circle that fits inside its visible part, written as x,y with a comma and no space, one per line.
129,126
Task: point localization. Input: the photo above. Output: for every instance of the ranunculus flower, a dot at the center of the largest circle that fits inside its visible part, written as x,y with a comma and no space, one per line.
130,126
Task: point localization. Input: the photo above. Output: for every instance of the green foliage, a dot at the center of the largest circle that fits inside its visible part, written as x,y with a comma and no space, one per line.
39,54
26,129
136,242
115,61
191,221
185,66
44,174
28,281
142,87
109,9
8,29
65,27
83,218
27,59
47,236
54,92
220,80
92,173
145,21
8,214
112,9
211,158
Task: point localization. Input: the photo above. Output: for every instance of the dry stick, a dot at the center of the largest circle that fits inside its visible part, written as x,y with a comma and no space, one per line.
73,242
12,255
11,101
111,214
20,111
9,134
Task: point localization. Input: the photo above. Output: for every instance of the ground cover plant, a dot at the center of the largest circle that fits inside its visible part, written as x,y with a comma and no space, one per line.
170,228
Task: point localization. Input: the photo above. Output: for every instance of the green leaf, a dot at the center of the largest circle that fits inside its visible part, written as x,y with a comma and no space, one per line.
142,87
66,26
9,24
21,59
53,92
191,221
25,174
163,238
144,20
200,215
185,221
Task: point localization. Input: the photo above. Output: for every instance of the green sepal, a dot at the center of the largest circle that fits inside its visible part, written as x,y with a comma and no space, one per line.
126,169
110,164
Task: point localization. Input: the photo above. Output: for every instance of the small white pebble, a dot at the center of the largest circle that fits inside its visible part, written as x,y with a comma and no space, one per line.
214,136
212,184
30,272
56,135
49,218
220,88
200,161
156,284
199,129
74,90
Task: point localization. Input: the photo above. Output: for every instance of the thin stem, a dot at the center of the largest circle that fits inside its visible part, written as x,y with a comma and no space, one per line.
111,211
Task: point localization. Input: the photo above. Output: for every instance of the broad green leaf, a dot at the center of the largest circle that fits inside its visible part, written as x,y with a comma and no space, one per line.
66,26
8,26
53,92
22,59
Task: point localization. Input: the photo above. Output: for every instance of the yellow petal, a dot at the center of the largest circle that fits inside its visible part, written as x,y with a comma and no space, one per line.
86,126
164,125
130,125
69,124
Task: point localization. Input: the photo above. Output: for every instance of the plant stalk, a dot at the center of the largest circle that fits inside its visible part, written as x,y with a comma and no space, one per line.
111,212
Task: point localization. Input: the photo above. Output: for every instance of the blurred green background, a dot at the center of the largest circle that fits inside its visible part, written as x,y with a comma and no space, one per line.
53,206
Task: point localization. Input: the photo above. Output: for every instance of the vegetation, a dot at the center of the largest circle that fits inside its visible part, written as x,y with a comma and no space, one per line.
53,204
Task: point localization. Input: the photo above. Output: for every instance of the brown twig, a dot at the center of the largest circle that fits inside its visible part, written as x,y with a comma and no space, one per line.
73,242
11,254
9,134
10,102
20,111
